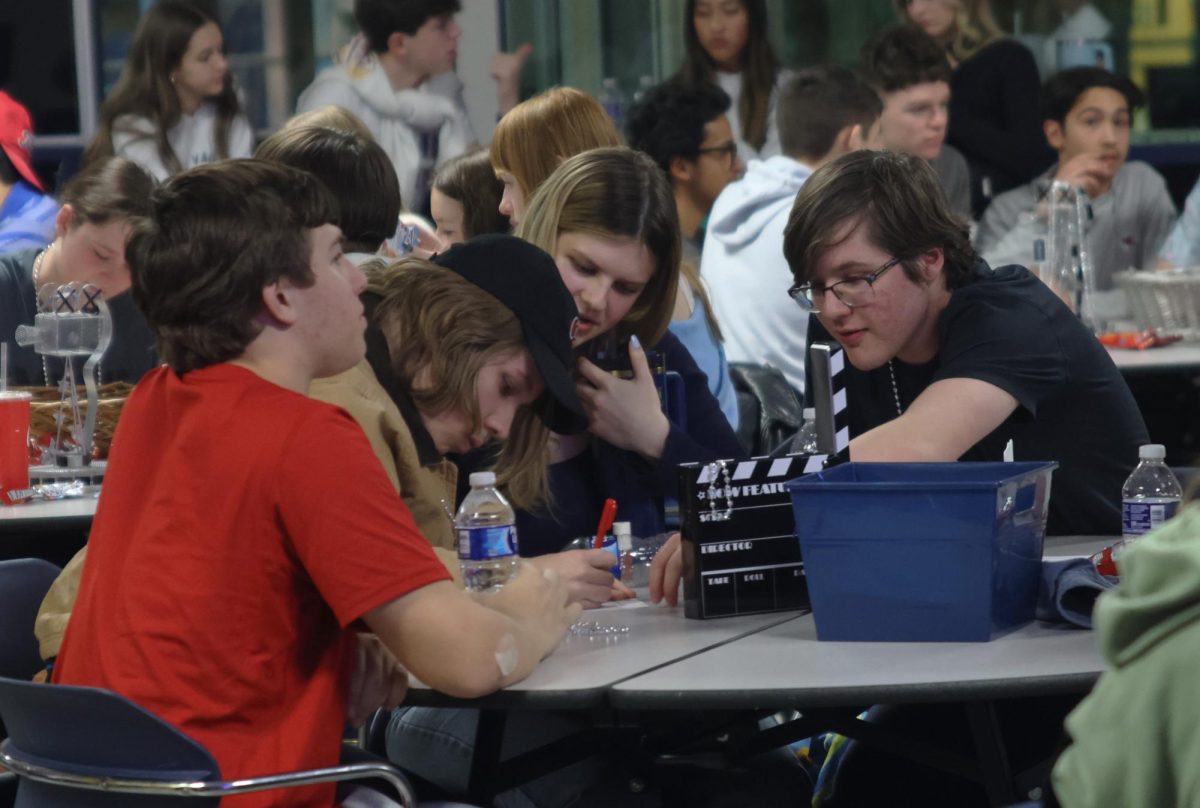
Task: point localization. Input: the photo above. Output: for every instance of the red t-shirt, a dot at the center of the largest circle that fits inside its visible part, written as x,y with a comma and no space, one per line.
242,528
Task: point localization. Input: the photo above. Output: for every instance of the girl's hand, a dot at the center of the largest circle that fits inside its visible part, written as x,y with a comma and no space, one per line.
626,413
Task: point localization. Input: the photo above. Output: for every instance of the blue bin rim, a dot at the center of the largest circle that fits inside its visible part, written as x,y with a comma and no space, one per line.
811,481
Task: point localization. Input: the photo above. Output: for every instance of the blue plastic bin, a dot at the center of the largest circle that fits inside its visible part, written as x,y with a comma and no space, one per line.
922,552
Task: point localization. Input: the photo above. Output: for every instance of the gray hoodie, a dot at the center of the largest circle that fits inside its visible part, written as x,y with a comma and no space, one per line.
745,270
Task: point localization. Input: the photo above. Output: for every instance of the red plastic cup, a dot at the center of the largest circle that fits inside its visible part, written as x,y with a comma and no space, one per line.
14,443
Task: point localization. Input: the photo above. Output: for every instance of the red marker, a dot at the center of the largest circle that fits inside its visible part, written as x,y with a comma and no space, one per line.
607,515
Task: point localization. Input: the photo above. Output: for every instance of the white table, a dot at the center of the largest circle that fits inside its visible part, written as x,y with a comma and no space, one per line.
1177,356
60,513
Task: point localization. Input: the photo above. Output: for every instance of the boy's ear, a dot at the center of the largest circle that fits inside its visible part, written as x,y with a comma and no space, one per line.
63,220
932,262
1054,134
681,169
277,302
851,138
397,41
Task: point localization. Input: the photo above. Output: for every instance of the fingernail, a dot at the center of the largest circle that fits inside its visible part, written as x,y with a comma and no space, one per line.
635,342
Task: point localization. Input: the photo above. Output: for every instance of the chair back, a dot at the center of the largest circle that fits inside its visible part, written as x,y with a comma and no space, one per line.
23,585
93,732
769,411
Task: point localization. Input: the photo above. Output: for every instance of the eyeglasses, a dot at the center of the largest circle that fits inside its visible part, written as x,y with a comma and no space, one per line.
852,292
728,149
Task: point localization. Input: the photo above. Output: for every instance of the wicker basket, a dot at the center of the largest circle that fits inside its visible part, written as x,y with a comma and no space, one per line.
1167,301
45,405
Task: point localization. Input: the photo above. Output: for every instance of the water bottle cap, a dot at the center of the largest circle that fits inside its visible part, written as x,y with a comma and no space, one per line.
479,479
623,532
810,413
1152,451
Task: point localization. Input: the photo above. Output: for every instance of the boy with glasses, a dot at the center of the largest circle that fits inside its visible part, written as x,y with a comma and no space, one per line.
950,359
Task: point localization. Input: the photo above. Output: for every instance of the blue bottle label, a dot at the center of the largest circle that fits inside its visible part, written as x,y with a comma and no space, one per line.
485,543
1140,516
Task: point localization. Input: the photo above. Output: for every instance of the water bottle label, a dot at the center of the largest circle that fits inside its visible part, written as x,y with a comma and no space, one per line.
484,543
1140,516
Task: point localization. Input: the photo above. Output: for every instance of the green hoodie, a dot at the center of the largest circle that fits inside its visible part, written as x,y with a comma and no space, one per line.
1135,741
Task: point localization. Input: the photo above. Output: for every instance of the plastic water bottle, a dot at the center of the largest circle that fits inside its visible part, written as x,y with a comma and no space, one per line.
487,535
614,102
1151,495
805,441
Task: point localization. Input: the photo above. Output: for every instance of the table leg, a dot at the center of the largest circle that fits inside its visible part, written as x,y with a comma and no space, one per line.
994,768
489,737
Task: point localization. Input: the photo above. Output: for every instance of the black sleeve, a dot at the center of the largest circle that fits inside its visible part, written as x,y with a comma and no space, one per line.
1007,334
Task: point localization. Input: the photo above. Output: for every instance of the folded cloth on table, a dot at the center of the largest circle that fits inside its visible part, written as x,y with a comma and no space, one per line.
1069,589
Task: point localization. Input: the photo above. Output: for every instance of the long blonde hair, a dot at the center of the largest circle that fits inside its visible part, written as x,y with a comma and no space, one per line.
621,193
437,322
975,27
536,135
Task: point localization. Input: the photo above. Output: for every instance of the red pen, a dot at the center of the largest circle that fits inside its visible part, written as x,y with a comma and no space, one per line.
607,515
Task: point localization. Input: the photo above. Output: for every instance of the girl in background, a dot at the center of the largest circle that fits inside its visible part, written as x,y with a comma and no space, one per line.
725,42
174,106
465,199
536,135
993,120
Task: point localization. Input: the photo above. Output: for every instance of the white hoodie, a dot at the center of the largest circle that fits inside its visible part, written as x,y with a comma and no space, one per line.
745,270
399,118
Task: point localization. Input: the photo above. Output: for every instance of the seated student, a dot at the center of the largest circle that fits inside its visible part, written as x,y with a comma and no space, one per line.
1087,113
949,358
608,218
465,200
1182,247
910,72
1133,739
26,211
458,358
822,112
535,136
247,533
100,208
685,129
358,172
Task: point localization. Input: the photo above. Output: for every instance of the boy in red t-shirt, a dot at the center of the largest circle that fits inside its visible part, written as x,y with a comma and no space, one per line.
245,528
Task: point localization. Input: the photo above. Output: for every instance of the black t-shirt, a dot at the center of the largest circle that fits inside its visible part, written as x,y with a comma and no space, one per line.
130,353
1007,329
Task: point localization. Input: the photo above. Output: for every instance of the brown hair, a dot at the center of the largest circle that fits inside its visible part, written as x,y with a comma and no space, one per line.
900,200
110,189
436,321
759,69
356,169
330,117
218,235
538,134
471,182
145,89
615,193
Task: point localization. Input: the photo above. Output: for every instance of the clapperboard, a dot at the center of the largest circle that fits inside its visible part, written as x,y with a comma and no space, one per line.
740,552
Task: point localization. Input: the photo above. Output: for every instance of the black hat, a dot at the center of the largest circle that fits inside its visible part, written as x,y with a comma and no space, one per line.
526,280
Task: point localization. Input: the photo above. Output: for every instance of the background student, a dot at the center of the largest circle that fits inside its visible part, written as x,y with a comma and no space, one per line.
1087,114
100,208
175,105
535,136
823,112
992,121
910,72
725,43
26,211
684,127
465,199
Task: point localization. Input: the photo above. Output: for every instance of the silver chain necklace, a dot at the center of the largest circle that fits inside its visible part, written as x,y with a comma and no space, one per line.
895,388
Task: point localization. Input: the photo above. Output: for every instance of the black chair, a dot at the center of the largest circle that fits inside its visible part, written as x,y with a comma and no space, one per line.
23,585
84,747
769,411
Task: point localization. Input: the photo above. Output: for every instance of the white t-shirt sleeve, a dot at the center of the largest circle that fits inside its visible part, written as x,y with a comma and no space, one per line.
241,137
133,139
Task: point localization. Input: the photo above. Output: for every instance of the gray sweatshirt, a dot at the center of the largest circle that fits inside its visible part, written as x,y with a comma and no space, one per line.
1129,223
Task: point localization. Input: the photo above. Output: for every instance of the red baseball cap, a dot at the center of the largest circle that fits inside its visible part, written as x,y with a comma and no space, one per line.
16,138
